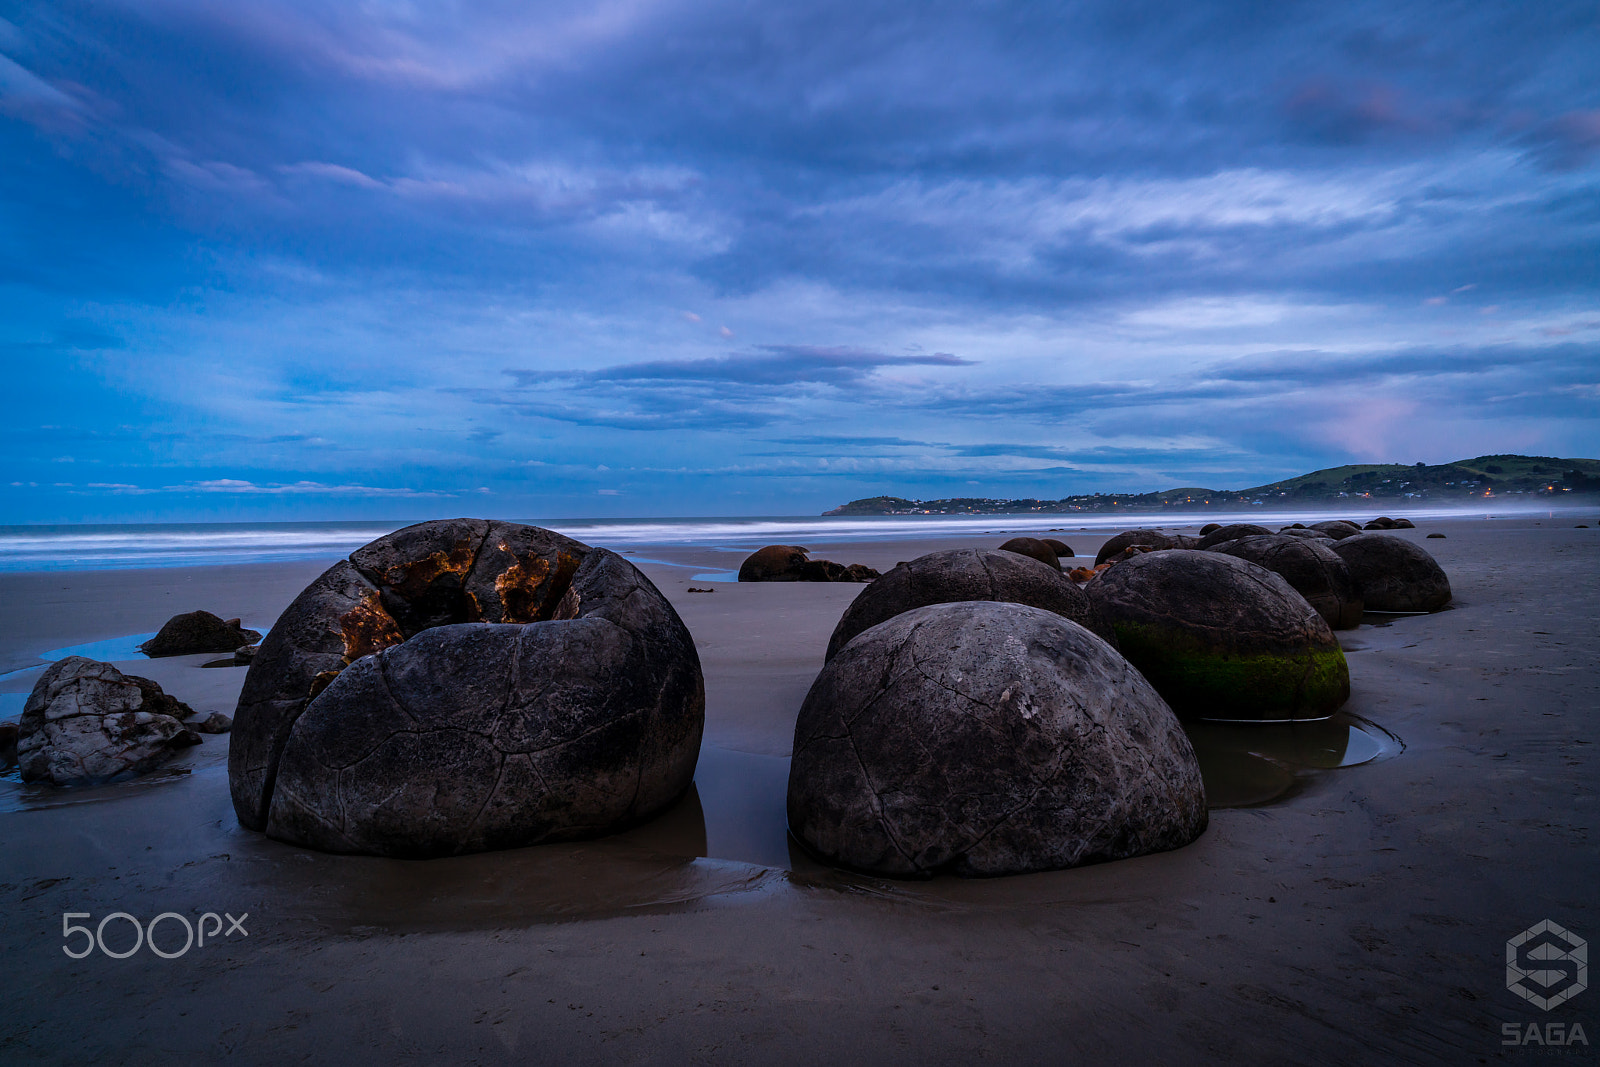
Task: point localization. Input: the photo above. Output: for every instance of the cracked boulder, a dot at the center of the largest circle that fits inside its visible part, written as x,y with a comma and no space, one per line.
981,738
1223,638
966,574
1312,567
464,685
1395,575
86,722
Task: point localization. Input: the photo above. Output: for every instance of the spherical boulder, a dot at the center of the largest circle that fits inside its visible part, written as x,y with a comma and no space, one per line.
1061,548
1154,539
965,574
1338,529
775,563
1231,532
987,739
1223,638
1208,527
1312,567
463,685
1394,574
1033,548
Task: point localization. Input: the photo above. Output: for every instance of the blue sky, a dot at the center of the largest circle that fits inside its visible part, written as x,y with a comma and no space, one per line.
627,257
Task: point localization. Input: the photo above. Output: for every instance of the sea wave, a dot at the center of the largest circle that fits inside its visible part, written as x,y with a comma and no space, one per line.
50,548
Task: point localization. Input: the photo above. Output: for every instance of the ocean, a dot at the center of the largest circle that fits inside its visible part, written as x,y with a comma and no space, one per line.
144,545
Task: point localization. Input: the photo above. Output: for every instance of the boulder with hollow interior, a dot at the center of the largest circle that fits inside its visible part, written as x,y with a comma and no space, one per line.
464,685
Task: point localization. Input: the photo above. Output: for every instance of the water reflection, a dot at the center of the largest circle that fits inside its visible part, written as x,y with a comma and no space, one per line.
1246,764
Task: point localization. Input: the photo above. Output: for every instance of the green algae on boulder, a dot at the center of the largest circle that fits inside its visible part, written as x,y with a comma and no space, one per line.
1223,638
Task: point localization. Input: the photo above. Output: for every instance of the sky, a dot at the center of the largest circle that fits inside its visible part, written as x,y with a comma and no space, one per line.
297,259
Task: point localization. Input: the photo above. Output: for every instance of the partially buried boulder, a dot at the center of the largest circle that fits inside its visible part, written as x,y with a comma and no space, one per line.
965,574
1338,529
465,685
1033,548
792,563
1394,574
1304,532
86,722
1312,567
1223,638
1154,539
1231,532
198,631
987,739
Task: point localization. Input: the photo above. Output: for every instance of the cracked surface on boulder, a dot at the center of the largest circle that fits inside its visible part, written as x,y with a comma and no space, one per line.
984,738
966,574
86,722
466,685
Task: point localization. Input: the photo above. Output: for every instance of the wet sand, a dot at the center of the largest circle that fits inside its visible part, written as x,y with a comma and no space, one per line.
1328,915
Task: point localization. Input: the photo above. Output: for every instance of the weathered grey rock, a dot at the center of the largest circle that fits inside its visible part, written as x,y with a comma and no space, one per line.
791,563
1060,548
198,631
1312,567
215,723
1304,532
1033,548
966,574
1153,538
984,739
87,722
1338,529
1394,574
550,693
1223,638
1231,532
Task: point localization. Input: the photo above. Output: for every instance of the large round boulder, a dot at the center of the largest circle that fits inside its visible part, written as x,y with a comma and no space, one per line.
1302,531
1338,529
1153,539
1061,548
463,685
965,574
1312,567
1231,532
1223,638
1394,574
1033,548
983,738
86,722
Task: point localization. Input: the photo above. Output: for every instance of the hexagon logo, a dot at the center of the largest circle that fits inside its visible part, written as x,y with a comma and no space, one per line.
1547,965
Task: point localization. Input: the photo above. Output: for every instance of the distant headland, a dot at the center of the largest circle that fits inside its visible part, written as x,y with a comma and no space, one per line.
1482,477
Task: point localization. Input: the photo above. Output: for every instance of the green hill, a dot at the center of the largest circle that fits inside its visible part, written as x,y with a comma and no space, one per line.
1417,483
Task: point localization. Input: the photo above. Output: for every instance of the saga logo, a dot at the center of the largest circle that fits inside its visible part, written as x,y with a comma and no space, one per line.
1547,965
1548,1034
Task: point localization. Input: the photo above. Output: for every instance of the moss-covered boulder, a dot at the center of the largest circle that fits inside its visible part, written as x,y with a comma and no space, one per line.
1223,638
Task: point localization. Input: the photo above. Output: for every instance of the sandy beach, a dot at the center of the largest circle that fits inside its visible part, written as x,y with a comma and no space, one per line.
1327,915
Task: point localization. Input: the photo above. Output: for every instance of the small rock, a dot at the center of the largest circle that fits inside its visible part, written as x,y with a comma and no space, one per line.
198,631
693,589
1440,536
226,661
215,723
87,722
8,743
245,655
